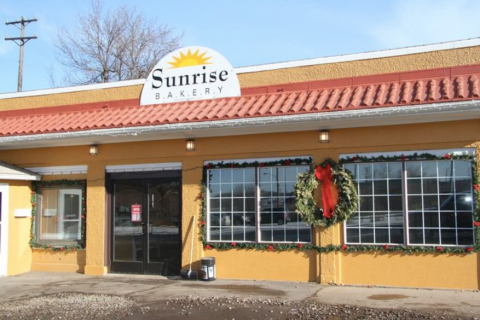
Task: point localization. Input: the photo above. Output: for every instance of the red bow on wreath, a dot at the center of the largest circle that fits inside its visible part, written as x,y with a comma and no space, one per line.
324,175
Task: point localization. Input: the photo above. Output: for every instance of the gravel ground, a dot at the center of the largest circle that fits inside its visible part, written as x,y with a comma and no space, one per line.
68,306
96,306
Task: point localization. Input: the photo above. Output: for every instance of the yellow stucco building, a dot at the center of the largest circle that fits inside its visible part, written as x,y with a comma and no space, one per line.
94,181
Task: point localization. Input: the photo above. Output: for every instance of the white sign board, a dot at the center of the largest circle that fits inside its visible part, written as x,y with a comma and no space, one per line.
22,213
191,73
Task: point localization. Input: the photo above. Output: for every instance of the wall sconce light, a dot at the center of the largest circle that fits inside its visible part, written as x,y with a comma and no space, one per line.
324,136
93,150
191,145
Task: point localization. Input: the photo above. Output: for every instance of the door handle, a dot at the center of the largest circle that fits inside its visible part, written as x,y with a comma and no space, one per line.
140,228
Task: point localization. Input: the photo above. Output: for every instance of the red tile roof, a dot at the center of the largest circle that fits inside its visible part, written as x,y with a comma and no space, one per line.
400,89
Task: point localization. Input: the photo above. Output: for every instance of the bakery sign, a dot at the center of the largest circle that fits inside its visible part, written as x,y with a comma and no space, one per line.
191,73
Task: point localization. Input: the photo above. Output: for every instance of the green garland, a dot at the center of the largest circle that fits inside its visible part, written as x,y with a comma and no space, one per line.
347,196
399,249
36,186
412,157
340,248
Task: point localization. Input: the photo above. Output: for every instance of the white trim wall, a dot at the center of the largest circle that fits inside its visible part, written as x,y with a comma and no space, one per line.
4,230
144,167
46,171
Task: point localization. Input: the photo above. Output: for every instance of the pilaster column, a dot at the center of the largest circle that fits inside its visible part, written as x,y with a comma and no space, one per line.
96,233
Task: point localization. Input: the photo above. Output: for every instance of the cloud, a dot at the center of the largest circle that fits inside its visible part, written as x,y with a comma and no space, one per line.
413,22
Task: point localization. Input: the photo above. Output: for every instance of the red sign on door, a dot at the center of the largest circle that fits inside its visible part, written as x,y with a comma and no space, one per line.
136,210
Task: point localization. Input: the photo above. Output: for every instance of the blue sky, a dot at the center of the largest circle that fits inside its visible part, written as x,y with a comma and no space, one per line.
248,32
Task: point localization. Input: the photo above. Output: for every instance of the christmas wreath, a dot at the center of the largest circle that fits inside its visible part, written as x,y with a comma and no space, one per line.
333,212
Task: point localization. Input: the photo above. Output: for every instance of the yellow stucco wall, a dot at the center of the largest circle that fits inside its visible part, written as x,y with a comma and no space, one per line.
265,265
411,62
324,268
58,261
412,270
19,252
69,98
96,220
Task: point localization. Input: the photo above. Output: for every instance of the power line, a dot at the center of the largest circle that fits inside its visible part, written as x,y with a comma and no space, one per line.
20,41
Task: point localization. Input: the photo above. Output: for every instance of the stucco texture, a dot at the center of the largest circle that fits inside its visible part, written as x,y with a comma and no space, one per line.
411,270
58,261
69,98
411,62
19,252
325,268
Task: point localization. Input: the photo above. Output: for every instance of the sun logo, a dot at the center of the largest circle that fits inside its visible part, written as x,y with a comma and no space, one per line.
190,59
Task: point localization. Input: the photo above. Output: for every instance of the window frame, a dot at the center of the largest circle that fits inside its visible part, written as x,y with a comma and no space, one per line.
257,197
405,211
59,186
373,195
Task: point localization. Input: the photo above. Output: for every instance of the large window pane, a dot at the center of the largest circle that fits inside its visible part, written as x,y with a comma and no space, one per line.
438,198
232,205
278,220
380,205
442,204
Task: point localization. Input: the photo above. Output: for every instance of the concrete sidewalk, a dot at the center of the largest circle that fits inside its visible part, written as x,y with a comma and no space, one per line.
146,289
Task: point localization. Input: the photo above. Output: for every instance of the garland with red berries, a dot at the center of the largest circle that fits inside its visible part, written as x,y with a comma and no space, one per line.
36,187
403,249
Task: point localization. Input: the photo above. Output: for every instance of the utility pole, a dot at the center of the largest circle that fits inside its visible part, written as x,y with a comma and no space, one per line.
20,41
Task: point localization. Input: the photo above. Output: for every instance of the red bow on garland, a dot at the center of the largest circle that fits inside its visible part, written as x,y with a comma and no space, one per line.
324,175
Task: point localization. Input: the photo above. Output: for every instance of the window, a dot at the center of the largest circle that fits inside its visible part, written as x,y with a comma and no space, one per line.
59,214
414,202
255,205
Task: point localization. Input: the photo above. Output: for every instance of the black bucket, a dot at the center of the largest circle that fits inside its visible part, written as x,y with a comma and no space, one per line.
209,271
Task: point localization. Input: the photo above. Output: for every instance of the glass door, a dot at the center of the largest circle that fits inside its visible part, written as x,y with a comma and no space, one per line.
146,221
164,218
128,235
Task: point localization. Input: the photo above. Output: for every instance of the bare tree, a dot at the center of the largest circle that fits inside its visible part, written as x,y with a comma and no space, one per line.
119,44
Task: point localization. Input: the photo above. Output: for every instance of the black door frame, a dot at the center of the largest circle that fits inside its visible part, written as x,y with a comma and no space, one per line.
147,176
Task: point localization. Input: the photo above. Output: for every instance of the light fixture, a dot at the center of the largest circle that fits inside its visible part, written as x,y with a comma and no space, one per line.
93,150
191,145
324,136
